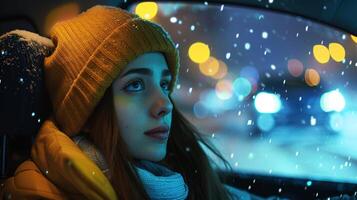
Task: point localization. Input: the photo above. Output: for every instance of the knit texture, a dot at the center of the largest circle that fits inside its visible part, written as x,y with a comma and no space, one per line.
161,183
91,51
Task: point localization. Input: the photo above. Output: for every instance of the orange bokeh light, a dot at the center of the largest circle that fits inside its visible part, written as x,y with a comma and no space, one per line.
209,67
312,77
222,70
224,89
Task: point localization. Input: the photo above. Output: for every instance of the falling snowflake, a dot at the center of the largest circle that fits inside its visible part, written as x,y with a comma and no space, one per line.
249,122
313,121
247,46
272,66
222,7
228,55
173,19
264,35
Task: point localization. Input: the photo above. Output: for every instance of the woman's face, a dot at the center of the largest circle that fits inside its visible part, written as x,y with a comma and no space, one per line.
141,100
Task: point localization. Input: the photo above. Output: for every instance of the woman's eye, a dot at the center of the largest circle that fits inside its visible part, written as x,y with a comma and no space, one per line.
134,86
166,84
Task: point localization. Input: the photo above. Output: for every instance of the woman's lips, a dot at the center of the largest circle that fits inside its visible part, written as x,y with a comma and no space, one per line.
159,133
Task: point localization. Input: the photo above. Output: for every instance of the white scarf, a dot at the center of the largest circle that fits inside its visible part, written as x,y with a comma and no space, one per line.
161,183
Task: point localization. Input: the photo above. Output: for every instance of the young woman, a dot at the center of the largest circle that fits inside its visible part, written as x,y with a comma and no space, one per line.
115,132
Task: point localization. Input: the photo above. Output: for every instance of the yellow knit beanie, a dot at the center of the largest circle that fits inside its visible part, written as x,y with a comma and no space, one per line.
91,50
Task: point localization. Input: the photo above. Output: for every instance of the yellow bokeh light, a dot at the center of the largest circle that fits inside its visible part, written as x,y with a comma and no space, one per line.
210,67
354,38
222,70
337,52
147,10
321,53
199,52
312,77
224,89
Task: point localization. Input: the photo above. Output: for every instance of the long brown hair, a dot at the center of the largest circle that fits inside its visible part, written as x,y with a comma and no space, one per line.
184,155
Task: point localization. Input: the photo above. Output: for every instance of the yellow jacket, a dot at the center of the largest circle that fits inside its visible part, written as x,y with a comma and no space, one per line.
58,170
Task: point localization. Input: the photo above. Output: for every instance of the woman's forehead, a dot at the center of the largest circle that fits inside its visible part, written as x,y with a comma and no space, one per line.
147,64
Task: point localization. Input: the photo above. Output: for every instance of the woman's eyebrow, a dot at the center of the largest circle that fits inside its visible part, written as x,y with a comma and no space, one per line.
145,71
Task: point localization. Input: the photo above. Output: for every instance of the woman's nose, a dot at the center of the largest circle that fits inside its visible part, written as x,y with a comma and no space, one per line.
161,105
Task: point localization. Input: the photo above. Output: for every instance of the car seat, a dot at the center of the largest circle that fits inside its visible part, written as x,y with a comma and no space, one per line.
23,99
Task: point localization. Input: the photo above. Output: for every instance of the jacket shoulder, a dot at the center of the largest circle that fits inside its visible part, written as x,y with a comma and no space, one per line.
29,183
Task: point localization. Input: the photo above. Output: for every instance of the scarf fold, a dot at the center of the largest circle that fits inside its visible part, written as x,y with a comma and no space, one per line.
160,182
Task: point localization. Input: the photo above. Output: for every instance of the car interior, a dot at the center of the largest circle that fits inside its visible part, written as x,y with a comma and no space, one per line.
275,97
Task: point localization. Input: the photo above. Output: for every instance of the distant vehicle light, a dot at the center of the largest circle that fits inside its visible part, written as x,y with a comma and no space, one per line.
337,51
242,88
336,122
199,52
321,53
147,10
267,103
266,122
332,101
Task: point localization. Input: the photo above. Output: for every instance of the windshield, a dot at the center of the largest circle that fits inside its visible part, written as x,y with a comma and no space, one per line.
274,92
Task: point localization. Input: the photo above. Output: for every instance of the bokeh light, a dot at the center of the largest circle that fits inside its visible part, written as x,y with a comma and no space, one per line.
224,89
242,88
332,101
337,52
266,102
213,103
200,110
199,52
250,73
295,67
222,70
321,53
344,123
60,13
210,67
354,38
147,10
266,122
336,121
312,77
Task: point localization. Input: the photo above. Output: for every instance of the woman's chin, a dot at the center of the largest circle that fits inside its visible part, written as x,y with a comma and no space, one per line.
155,156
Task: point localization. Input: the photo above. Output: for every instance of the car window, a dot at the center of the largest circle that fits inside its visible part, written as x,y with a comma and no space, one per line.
274,92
